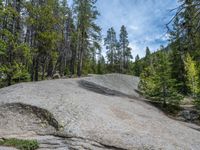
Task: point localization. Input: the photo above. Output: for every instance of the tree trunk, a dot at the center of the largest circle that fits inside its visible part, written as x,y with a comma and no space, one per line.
72,63
43,71
80,58
36,68
33,70
9,79
43,68
80,64
50,68
10,62
164,96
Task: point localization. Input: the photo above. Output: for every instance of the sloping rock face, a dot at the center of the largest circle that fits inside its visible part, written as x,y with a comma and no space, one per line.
98,112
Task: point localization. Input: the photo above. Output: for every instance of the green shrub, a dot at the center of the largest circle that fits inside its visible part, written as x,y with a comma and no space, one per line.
20,144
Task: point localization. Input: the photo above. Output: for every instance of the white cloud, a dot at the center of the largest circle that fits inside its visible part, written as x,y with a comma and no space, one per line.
136,50
145,21
133,27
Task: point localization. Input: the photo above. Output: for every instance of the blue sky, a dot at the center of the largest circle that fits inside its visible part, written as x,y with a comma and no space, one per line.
145,21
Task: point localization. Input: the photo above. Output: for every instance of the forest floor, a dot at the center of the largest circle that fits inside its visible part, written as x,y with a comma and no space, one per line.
97,112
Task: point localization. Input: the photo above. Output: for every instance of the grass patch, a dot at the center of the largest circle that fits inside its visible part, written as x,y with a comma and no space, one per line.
20,144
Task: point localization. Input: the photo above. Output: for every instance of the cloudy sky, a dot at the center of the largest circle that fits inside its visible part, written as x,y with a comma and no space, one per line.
145,21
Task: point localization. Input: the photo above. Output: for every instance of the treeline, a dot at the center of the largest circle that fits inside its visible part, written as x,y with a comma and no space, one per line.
174,71
118,51
41,37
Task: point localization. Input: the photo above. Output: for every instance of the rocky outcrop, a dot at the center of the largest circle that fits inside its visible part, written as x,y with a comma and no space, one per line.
189,114
98,112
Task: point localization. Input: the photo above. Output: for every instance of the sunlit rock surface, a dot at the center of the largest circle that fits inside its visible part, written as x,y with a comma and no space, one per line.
97,112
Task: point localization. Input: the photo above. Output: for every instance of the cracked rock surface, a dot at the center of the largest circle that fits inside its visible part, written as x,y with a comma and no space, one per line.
97,112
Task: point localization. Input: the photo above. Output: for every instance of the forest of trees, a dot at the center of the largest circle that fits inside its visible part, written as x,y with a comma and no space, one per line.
173,72
39,38
118,52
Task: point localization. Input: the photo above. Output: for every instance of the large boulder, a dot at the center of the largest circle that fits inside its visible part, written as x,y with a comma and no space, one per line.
98,112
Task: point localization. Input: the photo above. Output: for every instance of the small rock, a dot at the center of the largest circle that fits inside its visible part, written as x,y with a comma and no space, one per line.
56,75
189,115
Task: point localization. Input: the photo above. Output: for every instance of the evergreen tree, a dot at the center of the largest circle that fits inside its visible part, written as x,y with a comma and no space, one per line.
111,45
41,38
118,59
148,52
177,56
118,53
101,67
88,33
128,57
148,59
186,44
125,50
147,84
188,26
65,28
73,47
184,39
12,51
137,66
156,82
43,19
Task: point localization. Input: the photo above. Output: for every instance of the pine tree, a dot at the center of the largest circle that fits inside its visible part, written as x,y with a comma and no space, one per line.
73,47
128,57
123,44
40,38
111,45
101,67
88,33
177,56
188,26
65,28
118,59
184,39
147,58
147,84
148,52
43,19
12,51
137,66
2,44
156,82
